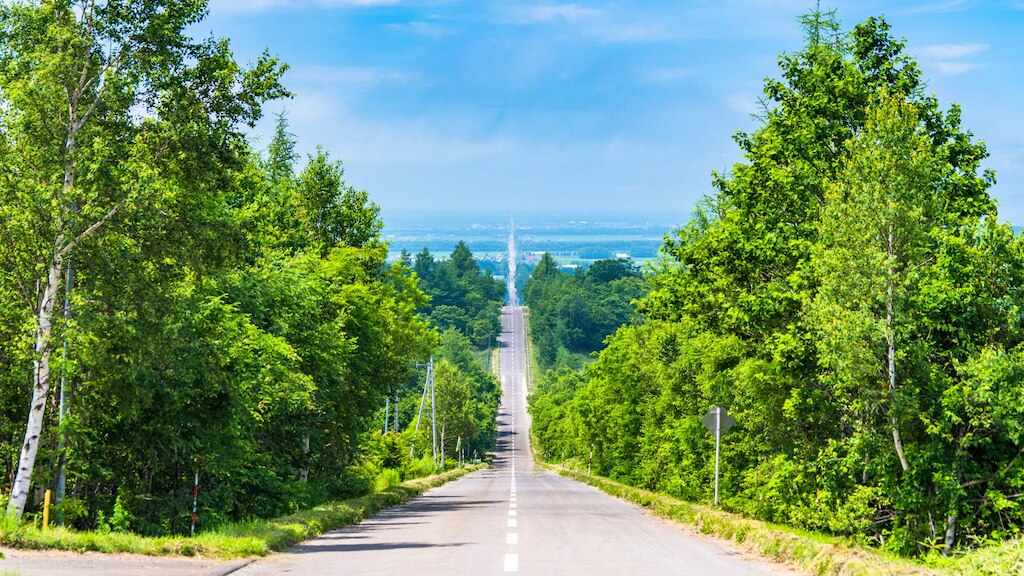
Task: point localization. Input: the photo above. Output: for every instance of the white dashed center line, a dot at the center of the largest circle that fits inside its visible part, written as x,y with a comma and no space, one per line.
512,538
512,562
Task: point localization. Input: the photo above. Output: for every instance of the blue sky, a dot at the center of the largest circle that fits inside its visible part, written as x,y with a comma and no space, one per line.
618,105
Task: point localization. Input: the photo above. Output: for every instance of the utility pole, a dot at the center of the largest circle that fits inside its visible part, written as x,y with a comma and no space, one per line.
195,499
387,412
433,406
428,383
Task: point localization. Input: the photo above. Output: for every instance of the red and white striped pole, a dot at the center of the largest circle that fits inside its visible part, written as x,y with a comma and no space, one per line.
195,497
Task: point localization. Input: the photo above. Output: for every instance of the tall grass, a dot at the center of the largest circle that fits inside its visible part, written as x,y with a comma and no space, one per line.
998,559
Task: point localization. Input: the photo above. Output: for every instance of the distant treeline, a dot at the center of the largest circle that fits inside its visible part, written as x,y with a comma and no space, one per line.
572,313
850,296
463,295
584,247
595,249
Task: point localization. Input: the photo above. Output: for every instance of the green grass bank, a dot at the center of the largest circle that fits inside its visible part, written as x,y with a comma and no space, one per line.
234,540
806,551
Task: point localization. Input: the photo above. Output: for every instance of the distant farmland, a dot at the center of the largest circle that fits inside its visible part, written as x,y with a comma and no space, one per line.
571,241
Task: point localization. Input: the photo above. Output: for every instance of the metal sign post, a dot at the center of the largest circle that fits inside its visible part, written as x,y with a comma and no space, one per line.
195,499
717,421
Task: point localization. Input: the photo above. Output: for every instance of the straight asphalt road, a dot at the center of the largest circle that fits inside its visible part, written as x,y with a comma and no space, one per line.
513,517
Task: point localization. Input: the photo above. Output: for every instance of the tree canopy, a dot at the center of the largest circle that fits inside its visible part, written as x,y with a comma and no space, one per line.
574,313
206,308
462,295
850,296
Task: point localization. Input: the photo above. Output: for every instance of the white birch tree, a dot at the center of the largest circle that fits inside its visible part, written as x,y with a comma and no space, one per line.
98,101
877,230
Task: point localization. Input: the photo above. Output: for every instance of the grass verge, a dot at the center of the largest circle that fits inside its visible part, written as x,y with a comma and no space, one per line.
805,551
235,540
998,559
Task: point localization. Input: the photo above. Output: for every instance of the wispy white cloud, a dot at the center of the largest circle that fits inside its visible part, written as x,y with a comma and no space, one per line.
236,6
947,59
637,32
665,74
352,76
357,2
552,13
371,143
615,25
950,51
313,106
1009,157
954,68
743,103
633,23
422,28
939,7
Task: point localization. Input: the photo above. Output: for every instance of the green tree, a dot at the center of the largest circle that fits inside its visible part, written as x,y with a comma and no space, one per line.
877,239
485,392
575,313
847,293
889,252
81,159
455,414
281,154
462,294
424,267
335,212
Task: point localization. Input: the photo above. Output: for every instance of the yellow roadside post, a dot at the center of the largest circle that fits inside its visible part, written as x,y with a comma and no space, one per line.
46,510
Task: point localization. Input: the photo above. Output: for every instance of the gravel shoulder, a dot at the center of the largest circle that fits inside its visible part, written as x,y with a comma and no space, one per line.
56,563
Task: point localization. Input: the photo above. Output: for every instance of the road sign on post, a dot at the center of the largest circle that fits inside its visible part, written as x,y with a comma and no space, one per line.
717,421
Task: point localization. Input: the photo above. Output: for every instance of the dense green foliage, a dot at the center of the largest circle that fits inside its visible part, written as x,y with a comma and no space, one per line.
465,305
850,296
462,295
467,399
228,315
574,313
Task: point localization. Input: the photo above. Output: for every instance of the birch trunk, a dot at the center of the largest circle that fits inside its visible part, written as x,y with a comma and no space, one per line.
441,452
44,328
890,337
950,534
304,472
40,388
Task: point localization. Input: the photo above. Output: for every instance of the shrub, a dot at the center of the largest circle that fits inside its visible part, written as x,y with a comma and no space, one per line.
387,478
